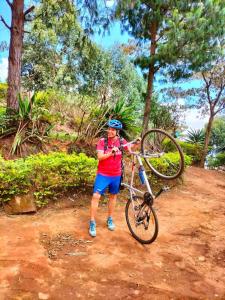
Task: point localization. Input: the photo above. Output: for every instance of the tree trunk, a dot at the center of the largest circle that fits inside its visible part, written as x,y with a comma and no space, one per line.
151,73
206,144
15,54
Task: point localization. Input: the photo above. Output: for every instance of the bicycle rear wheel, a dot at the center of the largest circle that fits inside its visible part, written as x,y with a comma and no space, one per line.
141,220
165,157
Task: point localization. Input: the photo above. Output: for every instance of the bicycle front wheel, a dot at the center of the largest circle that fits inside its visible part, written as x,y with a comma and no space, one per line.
141,220
163,154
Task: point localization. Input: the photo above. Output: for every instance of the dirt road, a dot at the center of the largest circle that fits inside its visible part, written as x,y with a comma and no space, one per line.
49,255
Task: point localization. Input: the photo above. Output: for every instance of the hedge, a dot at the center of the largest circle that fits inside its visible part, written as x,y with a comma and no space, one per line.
194,151
45,175
217,160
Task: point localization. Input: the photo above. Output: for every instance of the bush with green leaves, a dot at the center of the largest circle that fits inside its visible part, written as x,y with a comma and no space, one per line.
3,91
192,150
161,164
45,175
216,161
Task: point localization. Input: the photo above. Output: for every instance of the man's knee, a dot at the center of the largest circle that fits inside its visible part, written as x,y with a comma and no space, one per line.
96,196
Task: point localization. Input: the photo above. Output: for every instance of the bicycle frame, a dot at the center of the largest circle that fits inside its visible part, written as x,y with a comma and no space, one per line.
132,189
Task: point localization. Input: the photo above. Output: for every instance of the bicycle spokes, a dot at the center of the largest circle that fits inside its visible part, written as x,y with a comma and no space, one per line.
162,154
141,220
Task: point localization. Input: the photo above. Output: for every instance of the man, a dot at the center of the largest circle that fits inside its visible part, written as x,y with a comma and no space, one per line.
109,172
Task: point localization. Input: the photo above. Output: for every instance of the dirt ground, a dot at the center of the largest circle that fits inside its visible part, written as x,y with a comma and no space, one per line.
50,255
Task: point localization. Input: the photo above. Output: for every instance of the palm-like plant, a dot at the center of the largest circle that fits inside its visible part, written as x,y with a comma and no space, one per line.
29,125
196,136
126,114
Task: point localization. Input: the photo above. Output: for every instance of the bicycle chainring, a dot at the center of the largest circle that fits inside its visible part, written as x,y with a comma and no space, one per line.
148,199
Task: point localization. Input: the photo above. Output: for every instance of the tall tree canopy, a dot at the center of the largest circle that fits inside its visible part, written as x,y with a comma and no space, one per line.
53,47
177,36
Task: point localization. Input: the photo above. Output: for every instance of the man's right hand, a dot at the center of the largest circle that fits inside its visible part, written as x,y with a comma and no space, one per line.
114,150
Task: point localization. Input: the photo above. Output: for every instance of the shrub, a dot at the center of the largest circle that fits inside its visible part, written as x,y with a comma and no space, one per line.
192,150
3,91
161,164
217,161
45,175
196,136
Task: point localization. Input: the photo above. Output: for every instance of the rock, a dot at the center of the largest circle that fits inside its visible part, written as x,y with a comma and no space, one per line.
76,253
20,204
136,292
43,296
201,258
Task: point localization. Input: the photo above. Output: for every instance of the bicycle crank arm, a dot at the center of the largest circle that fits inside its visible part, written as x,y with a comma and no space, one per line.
163,189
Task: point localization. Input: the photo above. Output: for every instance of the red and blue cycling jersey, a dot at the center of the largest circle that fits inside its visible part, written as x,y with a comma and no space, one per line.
110,166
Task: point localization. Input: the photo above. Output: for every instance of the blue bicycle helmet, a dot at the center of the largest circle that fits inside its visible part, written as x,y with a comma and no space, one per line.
115,124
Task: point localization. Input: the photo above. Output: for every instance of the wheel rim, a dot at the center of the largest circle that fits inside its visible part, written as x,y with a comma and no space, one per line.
143,226
165,155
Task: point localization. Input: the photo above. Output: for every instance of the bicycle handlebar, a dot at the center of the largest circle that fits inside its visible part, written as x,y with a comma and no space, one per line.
131,143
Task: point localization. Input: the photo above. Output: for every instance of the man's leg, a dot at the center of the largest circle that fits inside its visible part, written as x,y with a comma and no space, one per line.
112,204
111,207
94,205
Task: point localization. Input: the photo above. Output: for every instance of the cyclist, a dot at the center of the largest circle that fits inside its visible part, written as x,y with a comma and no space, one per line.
109,172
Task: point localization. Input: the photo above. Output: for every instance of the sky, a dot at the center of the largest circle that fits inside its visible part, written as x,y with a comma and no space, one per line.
192,118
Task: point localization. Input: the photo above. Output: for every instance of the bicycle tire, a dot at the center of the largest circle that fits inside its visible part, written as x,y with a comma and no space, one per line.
153,219
152,144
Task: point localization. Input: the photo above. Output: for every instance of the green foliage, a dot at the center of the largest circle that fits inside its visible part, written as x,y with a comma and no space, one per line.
173,157
7,123
195,151
3,91
45,175
186,32
216,161
127,115
164,116
2,112
25,107
63,136
196,136
52,49
217,138
30,126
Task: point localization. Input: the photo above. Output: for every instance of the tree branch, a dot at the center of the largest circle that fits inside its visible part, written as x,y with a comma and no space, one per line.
207,87
221,108
29,10
4,22
9,3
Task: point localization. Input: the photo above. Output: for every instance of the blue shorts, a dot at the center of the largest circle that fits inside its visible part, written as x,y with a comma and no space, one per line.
102,182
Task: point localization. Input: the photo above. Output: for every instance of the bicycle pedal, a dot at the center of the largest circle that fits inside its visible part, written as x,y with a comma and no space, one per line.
163,189
166,188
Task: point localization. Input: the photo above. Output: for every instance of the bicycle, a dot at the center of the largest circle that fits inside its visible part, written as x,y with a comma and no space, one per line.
140,215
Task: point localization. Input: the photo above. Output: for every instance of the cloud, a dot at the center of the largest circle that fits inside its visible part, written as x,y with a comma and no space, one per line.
3,69
110,3
194,120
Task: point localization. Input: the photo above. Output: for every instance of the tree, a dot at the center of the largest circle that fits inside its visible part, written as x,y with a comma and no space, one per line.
166,116
212,99
110,76
179,36
15,50
217,139
53,48
209,98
